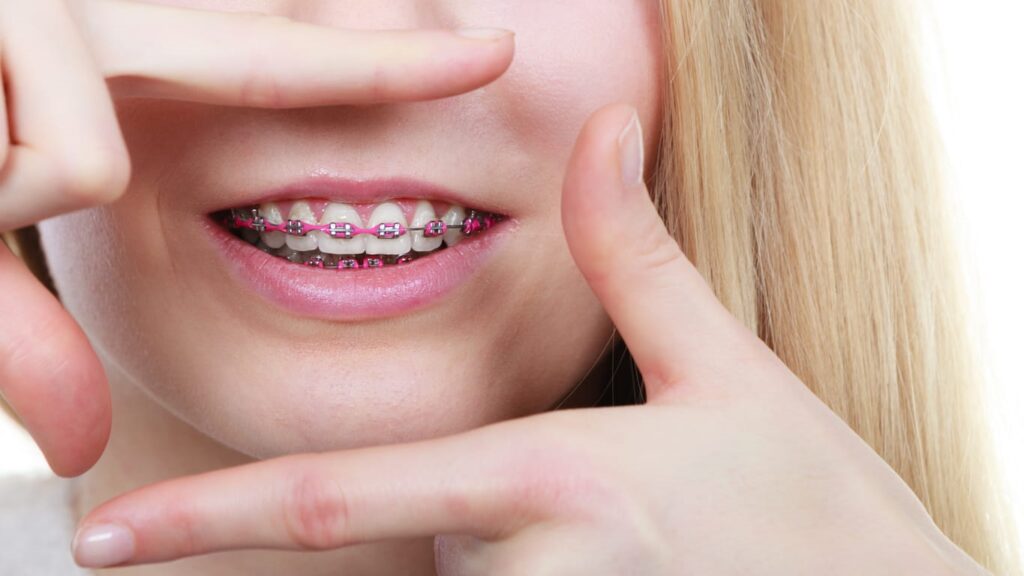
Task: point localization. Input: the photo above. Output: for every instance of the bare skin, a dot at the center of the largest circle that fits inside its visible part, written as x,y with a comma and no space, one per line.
475,476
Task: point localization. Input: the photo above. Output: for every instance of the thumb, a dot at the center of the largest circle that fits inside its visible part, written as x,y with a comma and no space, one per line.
676,329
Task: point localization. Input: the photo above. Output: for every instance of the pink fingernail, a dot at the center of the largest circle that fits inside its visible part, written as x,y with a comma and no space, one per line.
102,545
631,152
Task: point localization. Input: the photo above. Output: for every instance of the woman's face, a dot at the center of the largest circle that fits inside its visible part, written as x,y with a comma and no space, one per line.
169,313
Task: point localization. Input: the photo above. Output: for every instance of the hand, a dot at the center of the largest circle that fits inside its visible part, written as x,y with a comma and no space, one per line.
732,467
63,150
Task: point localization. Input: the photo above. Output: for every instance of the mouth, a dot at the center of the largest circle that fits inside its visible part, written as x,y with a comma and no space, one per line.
356,250
341,236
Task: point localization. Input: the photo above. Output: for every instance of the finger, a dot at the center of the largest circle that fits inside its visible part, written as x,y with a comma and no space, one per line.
474,483
49,374
66,150
678,332
269,61
5,135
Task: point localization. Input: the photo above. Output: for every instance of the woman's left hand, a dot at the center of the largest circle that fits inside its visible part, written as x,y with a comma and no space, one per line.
732,467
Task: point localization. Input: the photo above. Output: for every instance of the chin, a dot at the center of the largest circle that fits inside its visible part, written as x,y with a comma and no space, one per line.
335,398
268,372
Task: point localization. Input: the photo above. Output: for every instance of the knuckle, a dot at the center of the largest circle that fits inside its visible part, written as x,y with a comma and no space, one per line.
555,479
93,177
654,254
184,530
658,250
392,74
260,90
384,80
316,511
43,353
262,86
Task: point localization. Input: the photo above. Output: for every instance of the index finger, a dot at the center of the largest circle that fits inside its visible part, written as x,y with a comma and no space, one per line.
49,374
259,60
486,483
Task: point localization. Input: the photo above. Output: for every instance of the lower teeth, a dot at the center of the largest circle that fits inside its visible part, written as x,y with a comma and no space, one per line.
320,259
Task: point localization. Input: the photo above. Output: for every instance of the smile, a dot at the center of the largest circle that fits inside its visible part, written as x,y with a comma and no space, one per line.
332,235
353,250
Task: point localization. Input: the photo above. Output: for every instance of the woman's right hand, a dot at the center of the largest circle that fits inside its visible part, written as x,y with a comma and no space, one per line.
66,62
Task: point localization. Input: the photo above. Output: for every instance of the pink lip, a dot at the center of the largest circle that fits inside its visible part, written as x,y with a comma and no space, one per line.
354,295
346,190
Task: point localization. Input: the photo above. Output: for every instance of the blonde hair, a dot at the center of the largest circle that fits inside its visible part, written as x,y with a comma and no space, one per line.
799,170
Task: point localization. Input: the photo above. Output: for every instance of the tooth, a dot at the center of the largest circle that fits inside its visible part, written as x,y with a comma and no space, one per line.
424,213
286,252
388,212
341,213
453,217
272,213
301,211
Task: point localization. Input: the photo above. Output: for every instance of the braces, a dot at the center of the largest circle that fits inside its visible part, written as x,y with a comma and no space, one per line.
474,222
357,262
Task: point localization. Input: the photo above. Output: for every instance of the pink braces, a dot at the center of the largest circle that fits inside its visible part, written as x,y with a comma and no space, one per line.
357,262
470,225
474,222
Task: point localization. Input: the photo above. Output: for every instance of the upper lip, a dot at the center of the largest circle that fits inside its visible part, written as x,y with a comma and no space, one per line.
339,189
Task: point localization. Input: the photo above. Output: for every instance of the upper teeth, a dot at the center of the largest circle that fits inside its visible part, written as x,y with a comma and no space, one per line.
301,212
341,213
386,213
385,220
275,239
454,215
424,213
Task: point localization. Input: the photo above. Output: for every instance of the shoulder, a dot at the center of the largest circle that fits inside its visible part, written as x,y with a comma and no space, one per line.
36,526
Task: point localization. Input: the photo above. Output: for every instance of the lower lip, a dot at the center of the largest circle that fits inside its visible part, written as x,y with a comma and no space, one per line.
363,294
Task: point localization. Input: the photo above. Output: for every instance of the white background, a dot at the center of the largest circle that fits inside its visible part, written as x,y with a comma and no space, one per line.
976,59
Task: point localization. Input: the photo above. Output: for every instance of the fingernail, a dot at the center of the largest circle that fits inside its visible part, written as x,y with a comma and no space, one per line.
102,545
483,33
631,152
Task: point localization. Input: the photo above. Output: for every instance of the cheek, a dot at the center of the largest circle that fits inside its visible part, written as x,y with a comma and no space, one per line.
85,253
111,267
568,66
